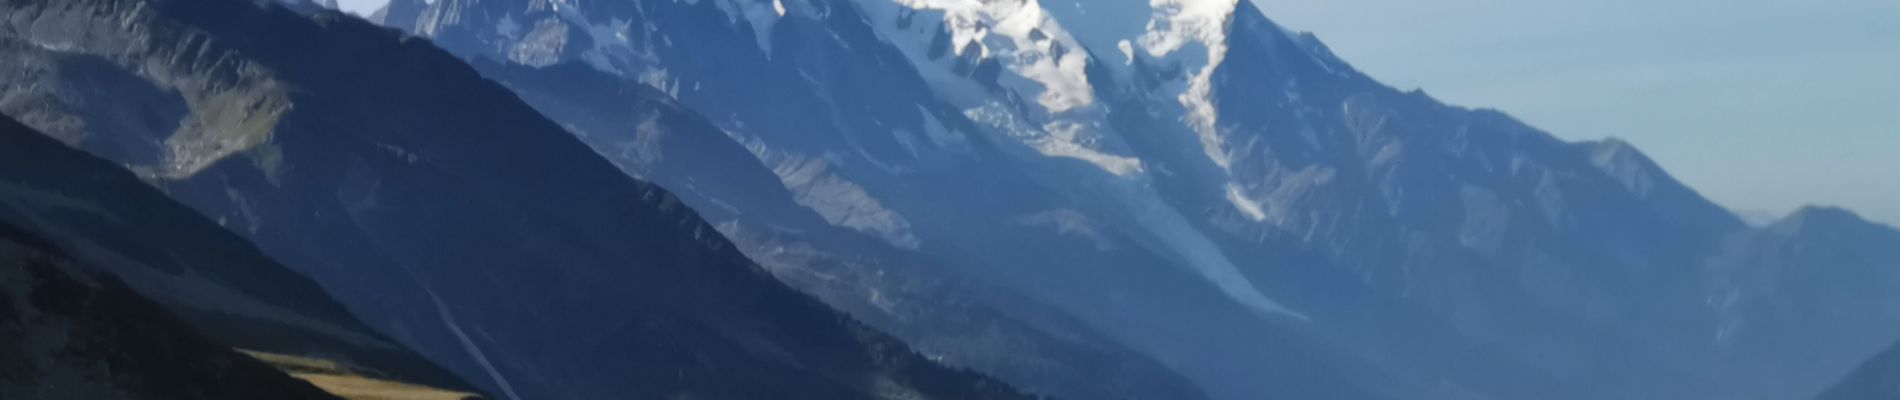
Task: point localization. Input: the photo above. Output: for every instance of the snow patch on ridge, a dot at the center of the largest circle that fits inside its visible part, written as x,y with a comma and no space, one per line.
952,41
1064,141
1246,205
1172,35
1019,34
1192,35
1045,48
1172,232
1060,139
1178,25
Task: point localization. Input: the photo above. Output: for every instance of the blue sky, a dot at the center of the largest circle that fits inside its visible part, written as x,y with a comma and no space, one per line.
1762,105
360,6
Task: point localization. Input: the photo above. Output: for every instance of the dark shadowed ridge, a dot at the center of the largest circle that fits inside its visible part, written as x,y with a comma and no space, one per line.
955,320
69,327
1876,379
1820,268
1648,181
107,217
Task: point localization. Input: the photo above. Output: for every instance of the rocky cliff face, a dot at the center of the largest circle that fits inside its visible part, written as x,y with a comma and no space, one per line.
447,213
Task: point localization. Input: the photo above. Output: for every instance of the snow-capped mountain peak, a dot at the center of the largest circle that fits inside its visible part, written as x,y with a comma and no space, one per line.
1009,65
1019,35
1178,23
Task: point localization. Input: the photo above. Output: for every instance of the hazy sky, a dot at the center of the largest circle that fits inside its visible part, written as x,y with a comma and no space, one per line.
363,7
1762,105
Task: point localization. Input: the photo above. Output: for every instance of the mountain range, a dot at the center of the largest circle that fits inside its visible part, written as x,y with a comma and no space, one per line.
1082,199
1199,143
419,197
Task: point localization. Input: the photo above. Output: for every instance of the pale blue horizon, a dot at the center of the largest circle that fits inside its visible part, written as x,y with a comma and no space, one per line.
1764,106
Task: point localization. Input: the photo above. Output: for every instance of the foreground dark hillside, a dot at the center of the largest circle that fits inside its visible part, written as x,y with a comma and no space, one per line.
71,328
70,332
104,216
